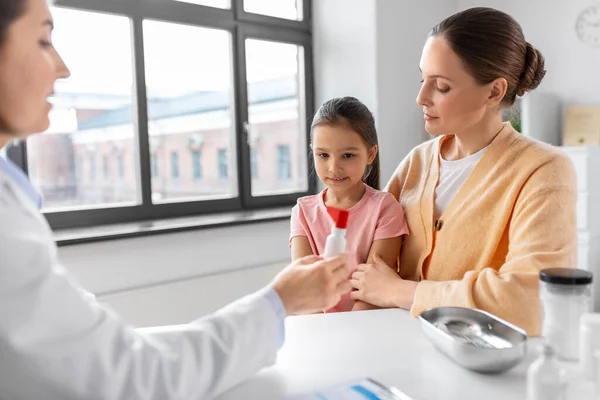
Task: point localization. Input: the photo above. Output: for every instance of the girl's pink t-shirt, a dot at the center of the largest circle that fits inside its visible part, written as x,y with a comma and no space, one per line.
378,215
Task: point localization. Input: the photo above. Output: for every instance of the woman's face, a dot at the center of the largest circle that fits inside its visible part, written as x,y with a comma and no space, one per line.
29,66
452,100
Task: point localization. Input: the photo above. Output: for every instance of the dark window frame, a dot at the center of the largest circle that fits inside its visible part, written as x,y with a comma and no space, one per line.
241,25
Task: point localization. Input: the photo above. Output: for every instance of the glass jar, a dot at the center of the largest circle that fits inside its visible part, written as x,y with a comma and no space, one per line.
565,295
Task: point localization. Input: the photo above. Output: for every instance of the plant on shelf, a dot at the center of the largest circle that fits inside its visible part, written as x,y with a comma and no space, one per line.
516,123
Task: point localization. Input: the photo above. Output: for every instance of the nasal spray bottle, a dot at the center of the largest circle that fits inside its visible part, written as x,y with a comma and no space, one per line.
336,241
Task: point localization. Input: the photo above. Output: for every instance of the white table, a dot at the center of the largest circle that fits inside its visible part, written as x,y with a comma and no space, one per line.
325,350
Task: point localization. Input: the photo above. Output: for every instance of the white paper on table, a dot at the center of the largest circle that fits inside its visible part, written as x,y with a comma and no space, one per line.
363,389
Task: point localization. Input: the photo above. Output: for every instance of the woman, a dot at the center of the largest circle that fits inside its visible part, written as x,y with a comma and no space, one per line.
56,342
487,208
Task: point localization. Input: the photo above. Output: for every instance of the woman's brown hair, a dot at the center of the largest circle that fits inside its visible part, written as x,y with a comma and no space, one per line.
10,10
491,44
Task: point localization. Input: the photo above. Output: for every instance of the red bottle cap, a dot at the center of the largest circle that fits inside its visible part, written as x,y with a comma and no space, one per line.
340,217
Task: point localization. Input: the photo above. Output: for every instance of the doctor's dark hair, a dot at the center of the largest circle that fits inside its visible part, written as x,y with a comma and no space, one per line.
10,10
350,113
491,45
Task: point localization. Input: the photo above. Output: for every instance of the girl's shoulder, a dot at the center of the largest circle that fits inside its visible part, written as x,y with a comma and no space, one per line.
309,205
309,201
381,199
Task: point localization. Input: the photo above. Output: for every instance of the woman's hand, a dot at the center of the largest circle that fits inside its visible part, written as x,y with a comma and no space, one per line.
380,285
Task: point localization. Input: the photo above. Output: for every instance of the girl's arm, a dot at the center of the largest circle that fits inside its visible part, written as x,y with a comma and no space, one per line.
299,232
300,247
388,250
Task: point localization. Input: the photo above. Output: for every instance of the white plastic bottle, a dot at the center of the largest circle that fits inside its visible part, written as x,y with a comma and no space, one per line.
546,378
336,241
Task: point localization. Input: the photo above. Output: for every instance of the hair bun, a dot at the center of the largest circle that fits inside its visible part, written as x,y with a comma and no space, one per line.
533,72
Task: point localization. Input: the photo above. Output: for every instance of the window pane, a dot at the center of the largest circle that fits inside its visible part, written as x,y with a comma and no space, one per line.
73,163
288,9
210,3
154,162
190,108
121,166
277,120
283,158
197,165
105,167
223,164
175,165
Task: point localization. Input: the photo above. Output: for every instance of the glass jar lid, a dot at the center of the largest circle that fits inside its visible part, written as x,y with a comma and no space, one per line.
566,276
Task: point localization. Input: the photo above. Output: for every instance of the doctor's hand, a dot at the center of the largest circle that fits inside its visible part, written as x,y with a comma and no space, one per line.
312,284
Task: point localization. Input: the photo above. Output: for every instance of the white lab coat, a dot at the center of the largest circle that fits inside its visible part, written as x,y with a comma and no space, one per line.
57,342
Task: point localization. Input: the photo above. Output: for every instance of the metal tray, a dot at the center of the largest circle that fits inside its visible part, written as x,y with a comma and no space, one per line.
475,339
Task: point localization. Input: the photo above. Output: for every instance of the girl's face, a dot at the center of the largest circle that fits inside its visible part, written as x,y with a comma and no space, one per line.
29,66
341,157
452,100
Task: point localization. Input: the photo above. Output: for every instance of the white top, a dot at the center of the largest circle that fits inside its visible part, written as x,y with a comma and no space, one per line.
452,176
325,350
58,343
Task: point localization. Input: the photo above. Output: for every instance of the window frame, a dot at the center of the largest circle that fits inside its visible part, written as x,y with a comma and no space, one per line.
241,25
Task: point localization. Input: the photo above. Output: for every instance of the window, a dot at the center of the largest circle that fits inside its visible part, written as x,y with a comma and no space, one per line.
154,163
197,165
174,125
175,165
288,9
210,3
92,167
283,163
254,163
105,167
193,107
121,166
92,113
223,164
276,118
79,168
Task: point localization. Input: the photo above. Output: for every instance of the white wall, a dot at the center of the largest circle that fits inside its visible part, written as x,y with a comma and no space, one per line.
183,301
572,67
106,267
175,277
370,49
344,46
402,29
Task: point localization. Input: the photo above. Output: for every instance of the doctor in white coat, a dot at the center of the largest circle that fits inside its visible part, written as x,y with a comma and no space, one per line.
56,342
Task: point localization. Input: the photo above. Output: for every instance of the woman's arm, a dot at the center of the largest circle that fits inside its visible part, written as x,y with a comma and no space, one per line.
300,247
388,250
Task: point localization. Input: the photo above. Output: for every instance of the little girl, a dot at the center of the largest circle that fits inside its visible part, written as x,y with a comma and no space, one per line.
346,158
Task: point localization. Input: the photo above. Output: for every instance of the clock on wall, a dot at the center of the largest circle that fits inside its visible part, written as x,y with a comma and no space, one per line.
588,25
